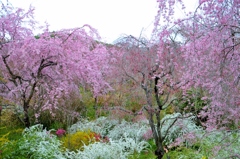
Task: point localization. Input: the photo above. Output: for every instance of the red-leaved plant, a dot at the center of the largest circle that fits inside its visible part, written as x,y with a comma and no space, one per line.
60,132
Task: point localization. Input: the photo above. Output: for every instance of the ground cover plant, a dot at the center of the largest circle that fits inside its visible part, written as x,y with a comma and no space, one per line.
37,142
105,138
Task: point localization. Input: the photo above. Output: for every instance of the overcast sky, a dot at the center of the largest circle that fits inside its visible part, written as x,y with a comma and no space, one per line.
111,18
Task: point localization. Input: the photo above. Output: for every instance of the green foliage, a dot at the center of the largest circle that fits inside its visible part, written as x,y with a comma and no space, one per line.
10,118
220,144
8,135
45,119
88,103
184,153
191,102
143,155
53,34
90,112
216,144
147,153
35,142
56,125
67,114
76,141
182,127
52,122
4,138
37,36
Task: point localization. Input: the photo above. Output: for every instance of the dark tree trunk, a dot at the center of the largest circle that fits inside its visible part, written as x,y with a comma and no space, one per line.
159,153
26,116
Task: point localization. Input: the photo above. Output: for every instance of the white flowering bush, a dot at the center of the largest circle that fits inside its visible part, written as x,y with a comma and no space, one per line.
101,125
121,149
195,142
125,139
35,143
220,144
183,128
217,144
133,130
114,129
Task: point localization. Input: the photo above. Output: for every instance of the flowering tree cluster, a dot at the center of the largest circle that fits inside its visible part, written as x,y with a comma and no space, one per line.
200,50
39,70
210,45
208,41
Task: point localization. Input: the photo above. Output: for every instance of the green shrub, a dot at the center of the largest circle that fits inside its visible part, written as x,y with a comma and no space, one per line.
35,142
52,122
216,144
8,135
10,119
77,140
192,102
88,103
4,139
184,153
56,125
220,144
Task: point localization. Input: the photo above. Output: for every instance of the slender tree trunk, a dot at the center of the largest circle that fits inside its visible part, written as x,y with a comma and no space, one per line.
95,106
159,152
26,116
160,148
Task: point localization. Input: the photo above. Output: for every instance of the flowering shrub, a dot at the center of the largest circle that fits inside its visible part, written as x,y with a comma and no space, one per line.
215,145
101,125
148,134
126,139
76,141
4,139
60,132
99,150
133,130
220,144
120,149
114,129
184,129
98,137
35,143
118,139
